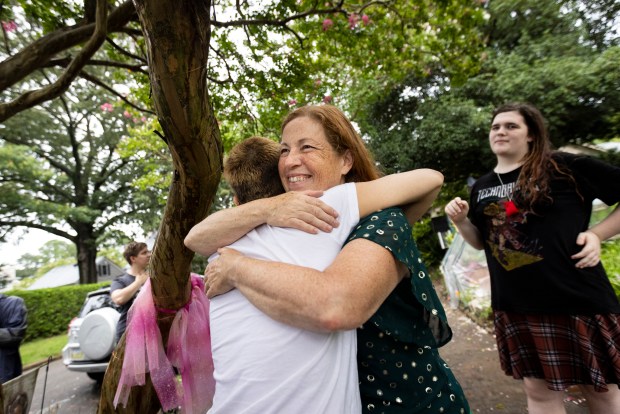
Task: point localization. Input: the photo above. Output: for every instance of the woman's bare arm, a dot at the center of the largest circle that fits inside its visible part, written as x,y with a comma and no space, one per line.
302,211
343,296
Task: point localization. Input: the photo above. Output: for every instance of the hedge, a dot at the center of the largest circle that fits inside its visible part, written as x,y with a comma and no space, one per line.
50,310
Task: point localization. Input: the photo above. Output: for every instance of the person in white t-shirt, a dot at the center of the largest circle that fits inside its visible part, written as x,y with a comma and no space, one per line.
266,366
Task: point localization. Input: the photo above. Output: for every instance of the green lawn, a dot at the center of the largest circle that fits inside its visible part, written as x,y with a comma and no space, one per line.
40,349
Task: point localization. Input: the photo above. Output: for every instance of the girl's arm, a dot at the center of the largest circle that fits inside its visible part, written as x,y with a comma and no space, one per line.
302,211
457,210
590,254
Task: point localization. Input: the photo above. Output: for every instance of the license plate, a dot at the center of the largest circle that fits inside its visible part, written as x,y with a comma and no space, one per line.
77,355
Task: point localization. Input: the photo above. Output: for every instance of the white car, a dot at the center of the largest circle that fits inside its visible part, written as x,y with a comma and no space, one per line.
92,335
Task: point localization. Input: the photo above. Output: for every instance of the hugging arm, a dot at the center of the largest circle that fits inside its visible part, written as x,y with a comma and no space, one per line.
343,296
302,211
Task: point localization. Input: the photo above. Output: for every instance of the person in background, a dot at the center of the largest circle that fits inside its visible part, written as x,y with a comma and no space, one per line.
125,288
13,324
399,368
556,316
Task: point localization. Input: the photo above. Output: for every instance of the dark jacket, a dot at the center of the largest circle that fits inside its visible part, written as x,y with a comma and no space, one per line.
13,325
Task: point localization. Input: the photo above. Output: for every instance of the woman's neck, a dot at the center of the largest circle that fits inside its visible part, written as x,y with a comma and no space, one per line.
505,165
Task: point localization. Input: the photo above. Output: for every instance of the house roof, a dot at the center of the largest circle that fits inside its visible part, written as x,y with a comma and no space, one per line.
69,275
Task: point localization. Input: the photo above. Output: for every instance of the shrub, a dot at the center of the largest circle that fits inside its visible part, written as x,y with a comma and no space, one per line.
51,310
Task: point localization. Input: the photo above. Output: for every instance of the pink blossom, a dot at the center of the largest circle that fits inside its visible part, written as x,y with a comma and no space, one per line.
9,26
318,82
353,19
143,119
292,102
126,114
107,107
327,24
327,99
365,19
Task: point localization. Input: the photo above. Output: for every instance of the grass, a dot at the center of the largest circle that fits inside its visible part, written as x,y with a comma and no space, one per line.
40,349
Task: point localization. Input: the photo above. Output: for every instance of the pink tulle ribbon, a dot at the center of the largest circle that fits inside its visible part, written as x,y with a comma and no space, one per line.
189,349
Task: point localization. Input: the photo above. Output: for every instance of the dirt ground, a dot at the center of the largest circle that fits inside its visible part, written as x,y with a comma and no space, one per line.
472,355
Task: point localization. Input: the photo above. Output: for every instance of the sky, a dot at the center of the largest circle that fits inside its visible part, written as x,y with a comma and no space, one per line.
19,243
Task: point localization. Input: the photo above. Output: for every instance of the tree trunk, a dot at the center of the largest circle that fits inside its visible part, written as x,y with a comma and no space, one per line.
87,257
177,38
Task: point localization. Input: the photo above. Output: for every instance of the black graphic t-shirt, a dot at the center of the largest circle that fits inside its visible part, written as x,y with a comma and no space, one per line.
529,255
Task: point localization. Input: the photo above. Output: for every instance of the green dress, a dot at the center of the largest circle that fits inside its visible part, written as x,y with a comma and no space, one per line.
400,370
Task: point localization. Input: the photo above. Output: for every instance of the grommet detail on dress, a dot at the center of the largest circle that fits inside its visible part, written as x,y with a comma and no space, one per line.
424,296
379,393
392,385
420,351
441,410
429,367
414,364
374,218
399,364
435,378
434,312
398,400
390,223
370,407
370,378
369,344
420,379
405,376
421,274
370,226
379,231
428,390
452,397
386,403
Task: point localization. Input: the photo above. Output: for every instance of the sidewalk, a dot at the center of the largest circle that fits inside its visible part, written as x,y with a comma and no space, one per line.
472,355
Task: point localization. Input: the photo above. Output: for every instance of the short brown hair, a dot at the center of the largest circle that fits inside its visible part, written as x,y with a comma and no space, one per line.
342,137
133,249
251,169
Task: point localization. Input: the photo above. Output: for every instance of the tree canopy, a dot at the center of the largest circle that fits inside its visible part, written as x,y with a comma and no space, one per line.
558,55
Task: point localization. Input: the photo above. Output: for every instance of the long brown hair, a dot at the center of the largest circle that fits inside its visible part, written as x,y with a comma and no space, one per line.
341,136
532,187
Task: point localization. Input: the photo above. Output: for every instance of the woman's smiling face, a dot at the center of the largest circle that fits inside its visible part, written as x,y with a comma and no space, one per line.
307,160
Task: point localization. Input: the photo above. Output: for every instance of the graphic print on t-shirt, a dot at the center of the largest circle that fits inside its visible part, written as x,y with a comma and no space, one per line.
511,247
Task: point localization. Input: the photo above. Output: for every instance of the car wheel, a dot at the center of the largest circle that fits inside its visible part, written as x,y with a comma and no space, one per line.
97,376
98,332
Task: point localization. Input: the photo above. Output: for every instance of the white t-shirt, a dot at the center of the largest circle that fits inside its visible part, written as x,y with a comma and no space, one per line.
263,366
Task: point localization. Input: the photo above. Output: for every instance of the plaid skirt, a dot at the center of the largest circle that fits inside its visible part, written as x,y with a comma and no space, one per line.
563,350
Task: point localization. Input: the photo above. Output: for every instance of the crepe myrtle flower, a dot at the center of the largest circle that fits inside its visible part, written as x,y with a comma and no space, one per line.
292,102
353,19
327,99
327,24
9,26
107,107
365,19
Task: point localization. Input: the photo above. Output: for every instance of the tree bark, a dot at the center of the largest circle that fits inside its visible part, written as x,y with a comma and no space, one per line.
87,258
177,38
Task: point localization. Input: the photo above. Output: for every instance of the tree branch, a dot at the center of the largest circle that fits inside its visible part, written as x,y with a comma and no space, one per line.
64,62
39,52
30,224
100,83
32,98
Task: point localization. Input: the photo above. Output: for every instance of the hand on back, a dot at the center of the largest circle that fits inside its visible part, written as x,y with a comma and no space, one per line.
302,211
